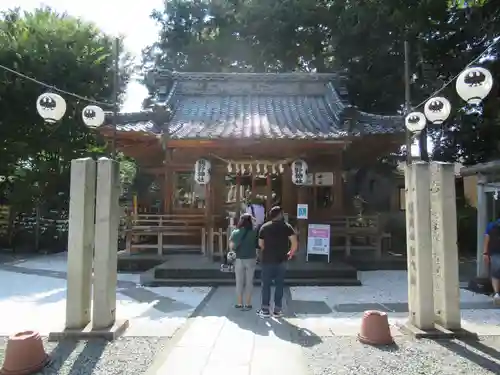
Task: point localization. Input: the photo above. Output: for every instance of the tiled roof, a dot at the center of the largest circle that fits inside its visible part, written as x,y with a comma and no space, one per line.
253,117
263,106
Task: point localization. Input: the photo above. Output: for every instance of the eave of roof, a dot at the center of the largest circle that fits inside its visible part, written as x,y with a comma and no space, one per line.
256,106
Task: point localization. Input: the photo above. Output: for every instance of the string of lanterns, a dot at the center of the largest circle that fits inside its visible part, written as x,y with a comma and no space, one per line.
7,178
472,85
52,107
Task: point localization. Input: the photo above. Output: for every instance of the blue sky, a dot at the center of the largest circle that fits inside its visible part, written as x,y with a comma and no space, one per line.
127,18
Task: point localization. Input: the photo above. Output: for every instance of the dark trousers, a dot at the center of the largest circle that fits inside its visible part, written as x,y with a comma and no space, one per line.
273,273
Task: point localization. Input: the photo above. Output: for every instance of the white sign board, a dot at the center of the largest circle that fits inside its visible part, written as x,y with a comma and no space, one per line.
323,179
318,240
302,211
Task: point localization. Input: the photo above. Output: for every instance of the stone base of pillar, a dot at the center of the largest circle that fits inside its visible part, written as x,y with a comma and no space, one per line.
87,333
437,333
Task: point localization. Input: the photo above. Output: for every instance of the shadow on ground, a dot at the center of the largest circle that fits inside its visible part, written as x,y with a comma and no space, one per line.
476,351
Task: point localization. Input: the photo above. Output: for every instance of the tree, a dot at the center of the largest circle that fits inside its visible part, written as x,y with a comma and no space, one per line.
362,38
64,52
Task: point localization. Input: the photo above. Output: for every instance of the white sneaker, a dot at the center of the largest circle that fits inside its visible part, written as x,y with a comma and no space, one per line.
496,299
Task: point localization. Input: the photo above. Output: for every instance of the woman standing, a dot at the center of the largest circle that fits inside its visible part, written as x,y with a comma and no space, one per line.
242,242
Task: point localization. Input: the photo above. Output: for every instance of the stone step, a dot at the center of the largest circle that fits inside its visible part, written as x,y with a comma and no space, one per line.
213,272
230,281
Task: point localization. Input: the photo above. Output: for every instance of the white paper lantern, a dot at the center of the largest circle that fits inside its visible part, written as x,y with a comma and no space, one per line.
415,122
93,116
437,110
202,171
299,172
51,107
474,84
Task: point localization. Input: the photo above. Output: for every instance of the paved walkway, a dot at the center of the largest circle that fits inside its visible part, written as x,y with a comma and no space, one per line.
222,340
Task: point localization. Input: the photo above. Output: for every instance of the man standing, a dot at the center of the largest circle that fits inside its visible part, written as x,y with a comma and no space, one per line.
492,256
257,210
278,243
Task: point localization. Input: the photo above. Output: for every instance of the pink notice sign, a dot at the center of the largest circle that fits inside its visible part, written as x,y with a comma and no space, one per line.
318,233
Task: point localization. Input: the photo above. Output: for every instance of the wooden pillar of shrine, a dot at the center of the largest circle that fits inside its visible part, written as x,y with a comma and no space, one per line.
338,184
253,195
269,192
238,196
209,225
287,191
168,182
301,223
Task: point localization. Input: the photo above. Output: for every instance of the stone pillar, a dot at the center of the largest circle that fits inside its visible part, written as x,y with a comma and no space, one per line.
419,255
106,243
444,245
482,222
80,242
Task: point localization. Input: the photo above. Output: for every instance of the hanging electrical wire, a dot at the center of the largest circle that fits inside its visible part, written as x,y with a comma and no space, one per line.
53,88
488,49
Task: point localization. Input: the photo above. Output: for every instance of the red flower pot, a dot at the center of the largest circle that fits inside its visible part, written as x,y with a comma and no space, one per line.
375,329
24,354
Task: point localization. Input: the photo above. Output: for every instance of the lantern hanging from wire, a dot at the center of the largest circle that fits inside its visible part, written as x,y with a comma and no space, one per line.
415,122
437,110
474,84
93,116
51,107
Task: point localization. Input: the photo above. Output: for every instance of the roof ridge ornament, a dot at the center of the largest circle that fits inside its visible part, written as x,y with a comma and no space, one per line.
267,77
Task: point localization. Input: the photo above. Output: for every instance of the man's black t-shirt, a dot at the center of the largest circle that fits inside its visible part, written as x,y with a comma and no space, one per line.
276,241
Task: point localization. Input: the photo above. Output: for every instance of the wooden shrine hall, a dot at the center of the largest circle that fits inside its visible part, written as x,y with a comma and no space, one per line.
215,141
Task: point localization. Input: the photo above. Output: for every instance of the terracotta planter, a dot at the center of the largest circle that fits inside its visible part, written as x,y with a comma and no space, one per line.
24,354
375,329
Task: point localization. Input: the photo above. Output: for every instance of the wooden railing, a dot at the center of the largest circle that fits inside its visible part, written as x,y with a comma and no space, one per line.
361,233
195,227
354,233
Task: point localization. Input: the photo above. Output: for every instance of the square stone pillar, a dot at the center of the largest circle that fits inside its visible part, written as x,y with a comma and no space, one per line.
482,222
418,243
444,246
106,243
80,242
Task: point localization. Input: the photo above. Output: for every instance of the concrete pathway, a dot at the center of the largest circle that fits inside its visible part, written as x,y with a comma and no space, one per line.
222,340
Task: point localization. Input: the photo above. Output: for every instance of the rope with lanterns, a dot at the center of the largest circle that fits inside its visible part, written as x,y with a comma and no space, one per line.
52,107
472,85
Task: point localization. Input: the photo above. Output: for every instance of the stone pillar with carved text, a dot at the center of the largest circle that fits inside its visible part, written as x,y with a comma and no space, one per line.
80,242
444,246
106,243
419,255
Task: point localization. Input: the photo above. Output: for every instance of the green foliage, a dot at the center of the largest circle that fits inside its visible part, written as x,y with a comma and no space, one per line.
71,55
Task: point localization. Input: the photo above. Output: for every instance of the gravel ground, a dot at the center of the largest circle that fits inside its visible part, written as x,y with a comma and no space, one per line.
125,356
345,355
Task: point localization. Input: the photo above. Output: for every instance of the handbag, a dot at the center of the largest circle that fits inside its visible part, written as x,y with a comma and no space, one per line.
226,266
